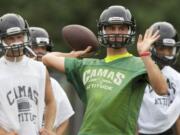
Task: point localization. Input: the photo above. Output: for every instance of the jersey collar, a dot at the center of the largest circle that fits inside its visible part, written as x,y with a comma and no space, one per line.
115,57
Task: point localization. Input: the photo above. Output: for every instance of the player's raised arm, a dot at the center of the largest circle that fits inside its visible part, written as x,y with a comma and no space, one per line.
156,79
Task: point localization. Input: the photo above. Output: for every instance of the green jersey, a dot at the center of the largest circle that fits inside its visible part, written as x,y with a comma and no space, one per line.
111,91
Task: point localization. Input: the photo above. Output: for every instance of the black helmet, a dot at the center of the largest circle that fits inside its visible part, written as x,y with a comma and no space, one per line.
13,24
116,15
168,38
40,37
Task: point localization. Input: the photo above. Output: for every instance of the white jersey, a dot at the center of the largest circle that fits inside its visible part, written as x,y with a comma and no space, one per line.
64,109
159,113
22,94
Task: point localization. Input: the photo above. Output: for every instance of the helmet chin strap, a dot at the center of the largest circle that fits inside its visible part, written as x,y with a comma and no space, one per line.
31,51
13,48
12,59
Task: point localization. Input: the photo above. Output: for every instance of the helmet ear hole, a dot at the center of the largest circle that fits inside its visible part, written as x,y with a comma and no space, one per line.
116,15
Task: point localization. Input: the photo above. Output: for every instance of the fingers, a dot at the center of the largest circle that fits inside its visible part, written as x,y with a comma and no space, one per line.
43,131
81,53
150,34
88,49
146,33
139,38
73,51
156,35
12,133
144,43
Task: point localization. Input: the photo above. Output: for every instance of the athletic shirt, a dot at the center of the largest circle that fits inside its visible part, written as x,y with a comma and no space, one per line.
159,113
22,93
64,109
111,91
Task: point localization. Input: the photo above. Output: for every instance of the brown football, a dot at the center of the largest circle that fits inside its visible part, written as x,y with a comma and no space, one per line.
78,37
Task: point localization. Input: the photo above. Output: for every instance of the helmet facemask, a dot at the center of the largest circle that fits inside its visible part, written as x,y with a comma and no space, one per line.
40,50
15,49
116,40
162,59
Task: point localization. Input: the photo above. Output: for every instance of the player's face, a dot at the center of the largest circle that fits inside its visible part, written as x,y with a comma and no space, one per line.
164,51
40,51
10,40
117,30
13,41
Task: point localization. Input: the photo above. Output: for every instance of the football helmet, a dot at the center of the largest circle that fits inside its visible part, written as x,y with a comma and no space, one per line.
39,38
116,15
13,24
168,38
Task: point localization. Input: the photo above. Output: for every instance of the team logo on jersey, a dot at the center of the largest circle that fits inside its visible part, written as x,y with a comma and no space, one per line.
108,78
23,105
21,92
24,98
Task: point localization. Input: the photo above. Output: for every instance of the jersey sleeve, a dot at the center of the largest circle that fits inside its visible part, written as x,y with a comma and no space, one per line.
73,70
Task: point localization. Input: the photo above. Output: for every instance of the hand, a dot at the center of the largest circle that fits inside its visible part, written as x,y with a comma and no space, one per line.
145,43
78,54
4,132
11,133
44,131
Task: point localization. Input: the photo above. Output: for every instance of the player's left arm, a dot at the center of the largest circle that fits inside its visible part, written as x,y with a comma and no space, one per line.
50,111
178,126
61,130
4,132
155,76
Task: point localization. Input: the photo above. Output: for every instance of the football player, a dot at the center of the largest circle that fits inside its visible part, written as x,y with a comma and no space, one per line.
159,113
25,83
41,44
112,88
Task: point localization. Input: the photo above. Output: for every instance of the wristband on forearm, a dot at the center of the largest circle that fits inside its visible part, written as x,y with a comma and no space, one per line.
146,53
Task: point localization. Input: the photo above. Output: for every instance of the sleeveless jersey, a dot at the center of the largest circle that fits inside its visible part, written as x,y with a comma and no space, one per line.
159,113
22,87
64,109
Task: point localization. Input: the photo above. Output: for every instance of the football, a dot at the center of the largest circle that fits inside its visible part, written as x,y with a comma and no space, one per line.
78,37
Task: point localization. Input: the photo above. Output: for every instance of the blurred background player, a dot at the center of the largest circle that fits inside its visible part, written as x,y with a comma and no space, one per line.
112,88
25,83
159,113
41,44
